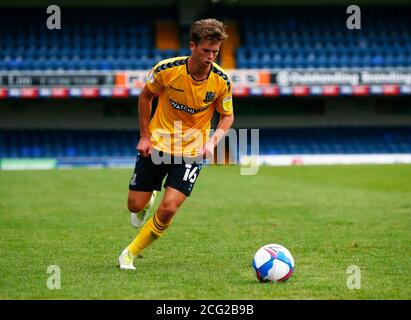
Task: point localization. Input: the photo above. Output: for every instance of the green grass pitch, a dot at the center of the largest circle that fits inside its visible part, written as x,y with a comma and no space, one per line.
329,217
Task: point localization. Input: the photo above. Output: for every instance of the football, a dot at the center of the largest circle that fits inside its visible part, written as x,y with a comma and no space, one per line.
273,263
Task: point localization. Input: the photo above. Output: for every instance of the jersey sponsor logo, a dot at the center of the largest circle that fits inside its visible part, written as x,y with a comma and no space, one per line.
209,96
228,104
182,107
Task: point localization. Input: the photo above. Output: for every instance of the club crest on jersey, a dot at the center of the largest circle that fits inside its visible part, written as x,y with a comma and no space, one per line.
209,96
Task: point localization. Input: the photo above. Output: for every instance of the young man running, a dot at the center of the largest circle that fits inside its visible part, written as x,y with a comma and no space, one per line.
175,141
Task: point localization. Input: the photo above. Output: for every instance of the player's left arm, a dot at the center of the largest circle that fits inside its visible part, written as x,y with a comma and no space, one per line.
225,123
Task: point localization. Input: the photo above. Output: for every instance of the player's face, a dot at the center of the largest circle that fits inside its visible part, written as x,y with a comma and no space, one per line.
205,52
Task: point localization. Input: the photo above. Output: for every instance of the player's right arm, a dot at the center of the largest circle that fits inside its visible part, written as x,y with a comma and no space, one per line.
145,101
155,84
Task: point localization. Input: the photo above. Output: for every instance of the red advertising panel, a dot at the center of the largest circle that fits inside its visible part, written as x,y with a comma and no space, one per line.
59,92
29,92
331,90
89,92
301,90
361,90
390,89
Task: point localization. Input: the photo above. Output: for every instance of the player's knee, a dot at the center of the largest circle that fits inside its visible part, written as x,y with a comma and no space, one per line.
134,205
166,211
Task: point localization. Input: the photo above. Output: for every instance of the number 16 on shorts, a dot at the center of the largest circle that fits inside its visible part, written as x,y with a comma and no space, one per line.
190,173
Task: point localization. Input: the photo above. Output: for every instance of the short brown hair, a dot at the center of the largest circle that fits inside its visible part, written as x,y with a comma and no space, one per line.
208,29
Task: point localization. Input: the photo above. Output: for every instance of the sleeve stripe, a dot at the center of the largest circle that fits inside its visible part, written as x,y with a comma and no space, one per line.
222,75
168,65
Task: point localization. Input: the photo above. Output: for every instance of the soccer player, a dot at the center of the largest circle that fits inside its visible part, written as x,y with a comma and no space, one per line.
176,140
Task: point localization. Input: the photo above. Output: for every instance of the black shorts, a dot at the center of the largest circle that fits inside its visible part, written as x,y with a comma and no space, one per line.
149,176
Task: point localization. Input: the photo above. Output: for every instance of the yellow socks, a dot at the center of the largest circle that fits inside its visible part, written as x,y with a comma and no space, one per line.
153,229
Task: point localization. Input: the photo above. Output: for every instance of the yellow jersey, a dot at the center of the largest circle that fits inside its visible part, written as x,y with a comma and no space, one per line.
182,120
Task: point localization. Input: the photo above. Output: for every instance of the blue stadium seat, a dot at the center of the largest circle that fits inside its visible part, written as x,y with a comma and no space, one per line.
304,33
42,143
276,37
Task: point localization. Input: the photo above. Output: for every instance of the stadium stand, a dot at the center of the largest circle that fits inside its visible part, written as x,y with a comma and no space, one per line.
271,38
134,39
112,40
318,38
32,143
339,140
